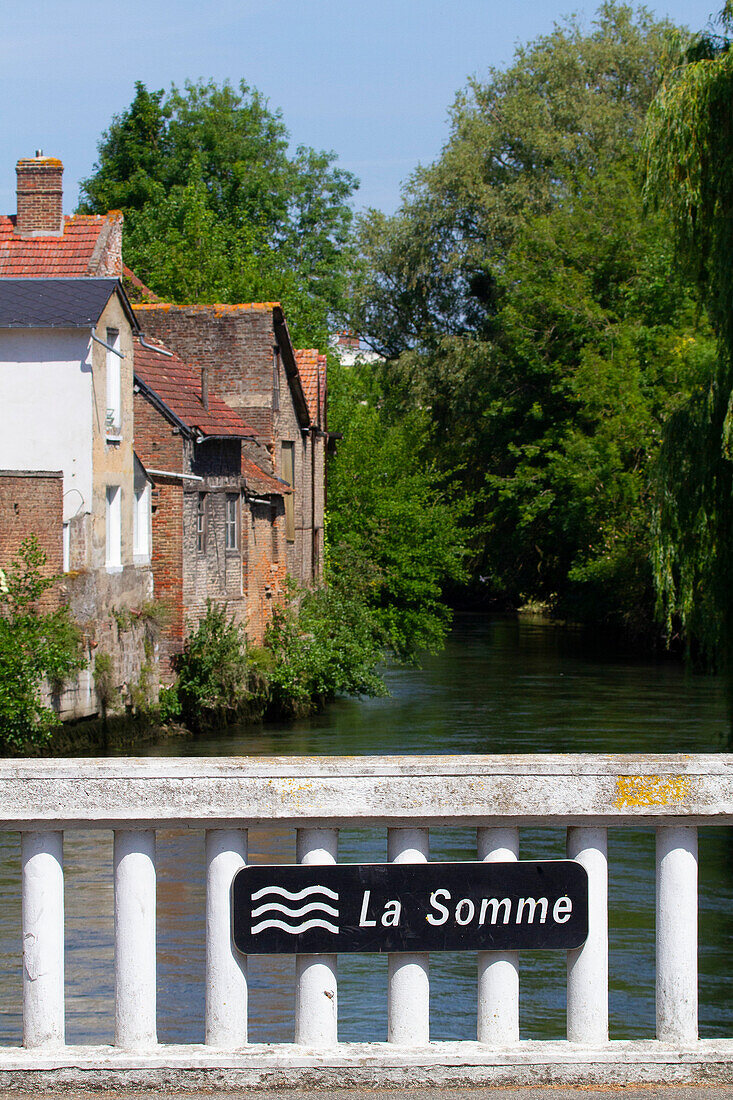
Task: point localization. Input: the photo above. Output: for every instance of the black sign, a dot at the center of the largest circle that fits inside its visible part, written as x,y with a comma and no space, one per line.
410,907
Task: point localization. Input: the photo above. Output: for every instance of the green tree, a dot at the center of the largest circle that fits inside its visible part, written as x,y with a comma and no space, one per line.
689,172
532,309
325,642
395,528
522,141
216,208
35,645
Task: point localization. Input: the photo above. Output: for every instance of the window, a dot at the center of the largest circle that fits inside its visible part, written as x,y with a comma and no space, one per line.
114,527
141,523
201,523
113,420
231,540
287,473
66,547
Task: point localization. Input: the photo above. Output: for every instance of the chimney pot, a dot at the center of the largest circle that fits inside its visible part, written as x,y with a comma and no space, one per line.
40,197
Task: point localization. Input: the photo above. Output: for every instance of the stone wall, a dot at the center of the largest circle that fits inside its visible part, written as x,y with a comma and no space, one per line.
114,614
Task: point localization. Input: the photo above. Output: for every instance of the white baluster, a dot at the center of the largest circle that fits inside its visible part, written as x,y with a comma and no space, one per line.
498,971
587,1015
316,997
677,933
135,962
408,995
42,874
226,969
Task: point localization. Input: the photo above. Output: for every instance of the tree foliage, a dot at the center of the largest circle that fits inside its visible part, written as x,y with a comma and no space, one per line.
217,208
689,172
528,306
36,645
326,642
395,528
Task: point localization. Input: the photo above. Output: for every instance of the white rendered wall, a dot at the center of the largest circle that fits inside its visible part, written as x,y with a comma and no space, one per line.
46,408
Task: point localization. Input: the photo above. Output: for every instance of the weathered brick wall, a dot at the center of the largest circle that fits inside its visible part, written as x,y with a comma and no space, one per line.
159,448
40,196
216,573
107,256
233,342
31,503
266,564
288,429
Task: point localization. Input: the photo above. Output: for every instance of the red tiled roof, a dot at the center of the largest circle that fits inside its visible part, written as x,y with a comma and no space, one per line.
136,288
67,255
260,482
179,387
312,371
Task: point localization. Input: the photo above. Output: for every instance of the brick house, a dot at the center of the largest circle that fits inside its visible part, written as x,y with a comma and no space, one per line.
269,399
39,242
66,404
251,364
218,520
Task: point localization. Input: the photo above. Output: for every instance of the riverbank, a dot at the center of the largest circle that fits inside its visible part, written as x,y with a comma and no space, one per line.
97,736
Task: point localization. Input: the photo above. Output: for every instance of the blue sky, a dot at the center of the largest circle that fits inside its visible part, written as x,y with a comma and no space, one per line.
370,79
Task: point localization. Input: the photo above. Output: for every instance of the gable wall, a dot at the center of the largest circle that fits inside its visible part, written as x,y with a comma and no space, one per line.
234,344
46,405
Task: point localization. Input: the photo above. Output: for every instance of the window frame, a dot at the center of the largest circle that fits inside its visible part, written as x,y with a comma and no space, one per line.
113,539
287,447
231,523
141,533
113,366
202,522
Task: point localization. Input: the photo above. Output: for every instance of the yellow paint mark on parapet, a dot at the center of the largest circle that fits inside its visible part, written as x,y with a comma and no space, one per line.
651,790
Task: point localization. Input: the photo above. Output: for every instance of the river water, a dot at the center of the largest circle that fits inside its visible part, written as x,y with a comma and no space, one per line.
500,686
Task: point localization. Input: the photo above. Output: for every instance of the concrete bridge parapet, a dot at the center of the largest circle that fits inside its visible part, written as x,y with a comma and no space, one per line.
316,796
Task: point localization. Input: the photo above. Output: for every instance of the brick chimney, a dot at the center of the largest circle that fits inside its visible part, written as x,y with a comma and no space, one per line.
40,196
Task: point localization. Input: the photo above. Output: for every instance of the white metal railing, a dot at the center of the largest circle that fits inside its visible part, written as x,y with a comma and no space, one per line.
317,796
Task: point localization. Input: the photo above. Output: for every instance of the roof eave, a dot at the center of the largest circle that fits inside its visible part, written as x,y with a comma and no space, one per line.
280,326
165,410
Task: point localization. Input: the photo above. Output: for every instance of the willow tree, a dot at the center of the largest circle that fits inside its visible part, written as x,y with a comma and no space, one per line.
689,171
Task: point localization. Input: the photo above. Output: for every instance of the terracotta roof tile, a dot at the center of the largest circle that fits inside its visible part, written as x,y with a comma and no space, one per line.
312,371
179,387
47,257
260,482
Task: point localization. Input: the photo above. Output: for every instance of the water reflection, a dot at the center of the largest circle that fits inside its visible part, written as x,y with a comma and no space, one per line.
500,686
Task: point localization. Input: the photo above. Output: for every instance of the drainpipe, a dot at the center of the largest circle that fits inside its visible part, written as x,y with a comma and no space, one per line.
152,347
205,388
109,347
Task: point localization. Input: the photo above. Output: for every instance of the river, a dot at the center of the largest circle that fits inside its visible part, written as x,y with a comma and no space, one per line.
499,686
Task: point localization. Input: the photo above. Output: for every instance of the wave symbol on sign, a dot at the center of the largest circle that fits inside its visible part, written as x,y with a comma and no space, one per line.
271,906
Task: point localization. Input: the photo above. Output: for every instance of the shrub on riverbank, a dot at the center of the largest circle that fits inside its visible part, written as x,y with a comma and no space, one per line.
219,679
35,645
325,642
329,646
